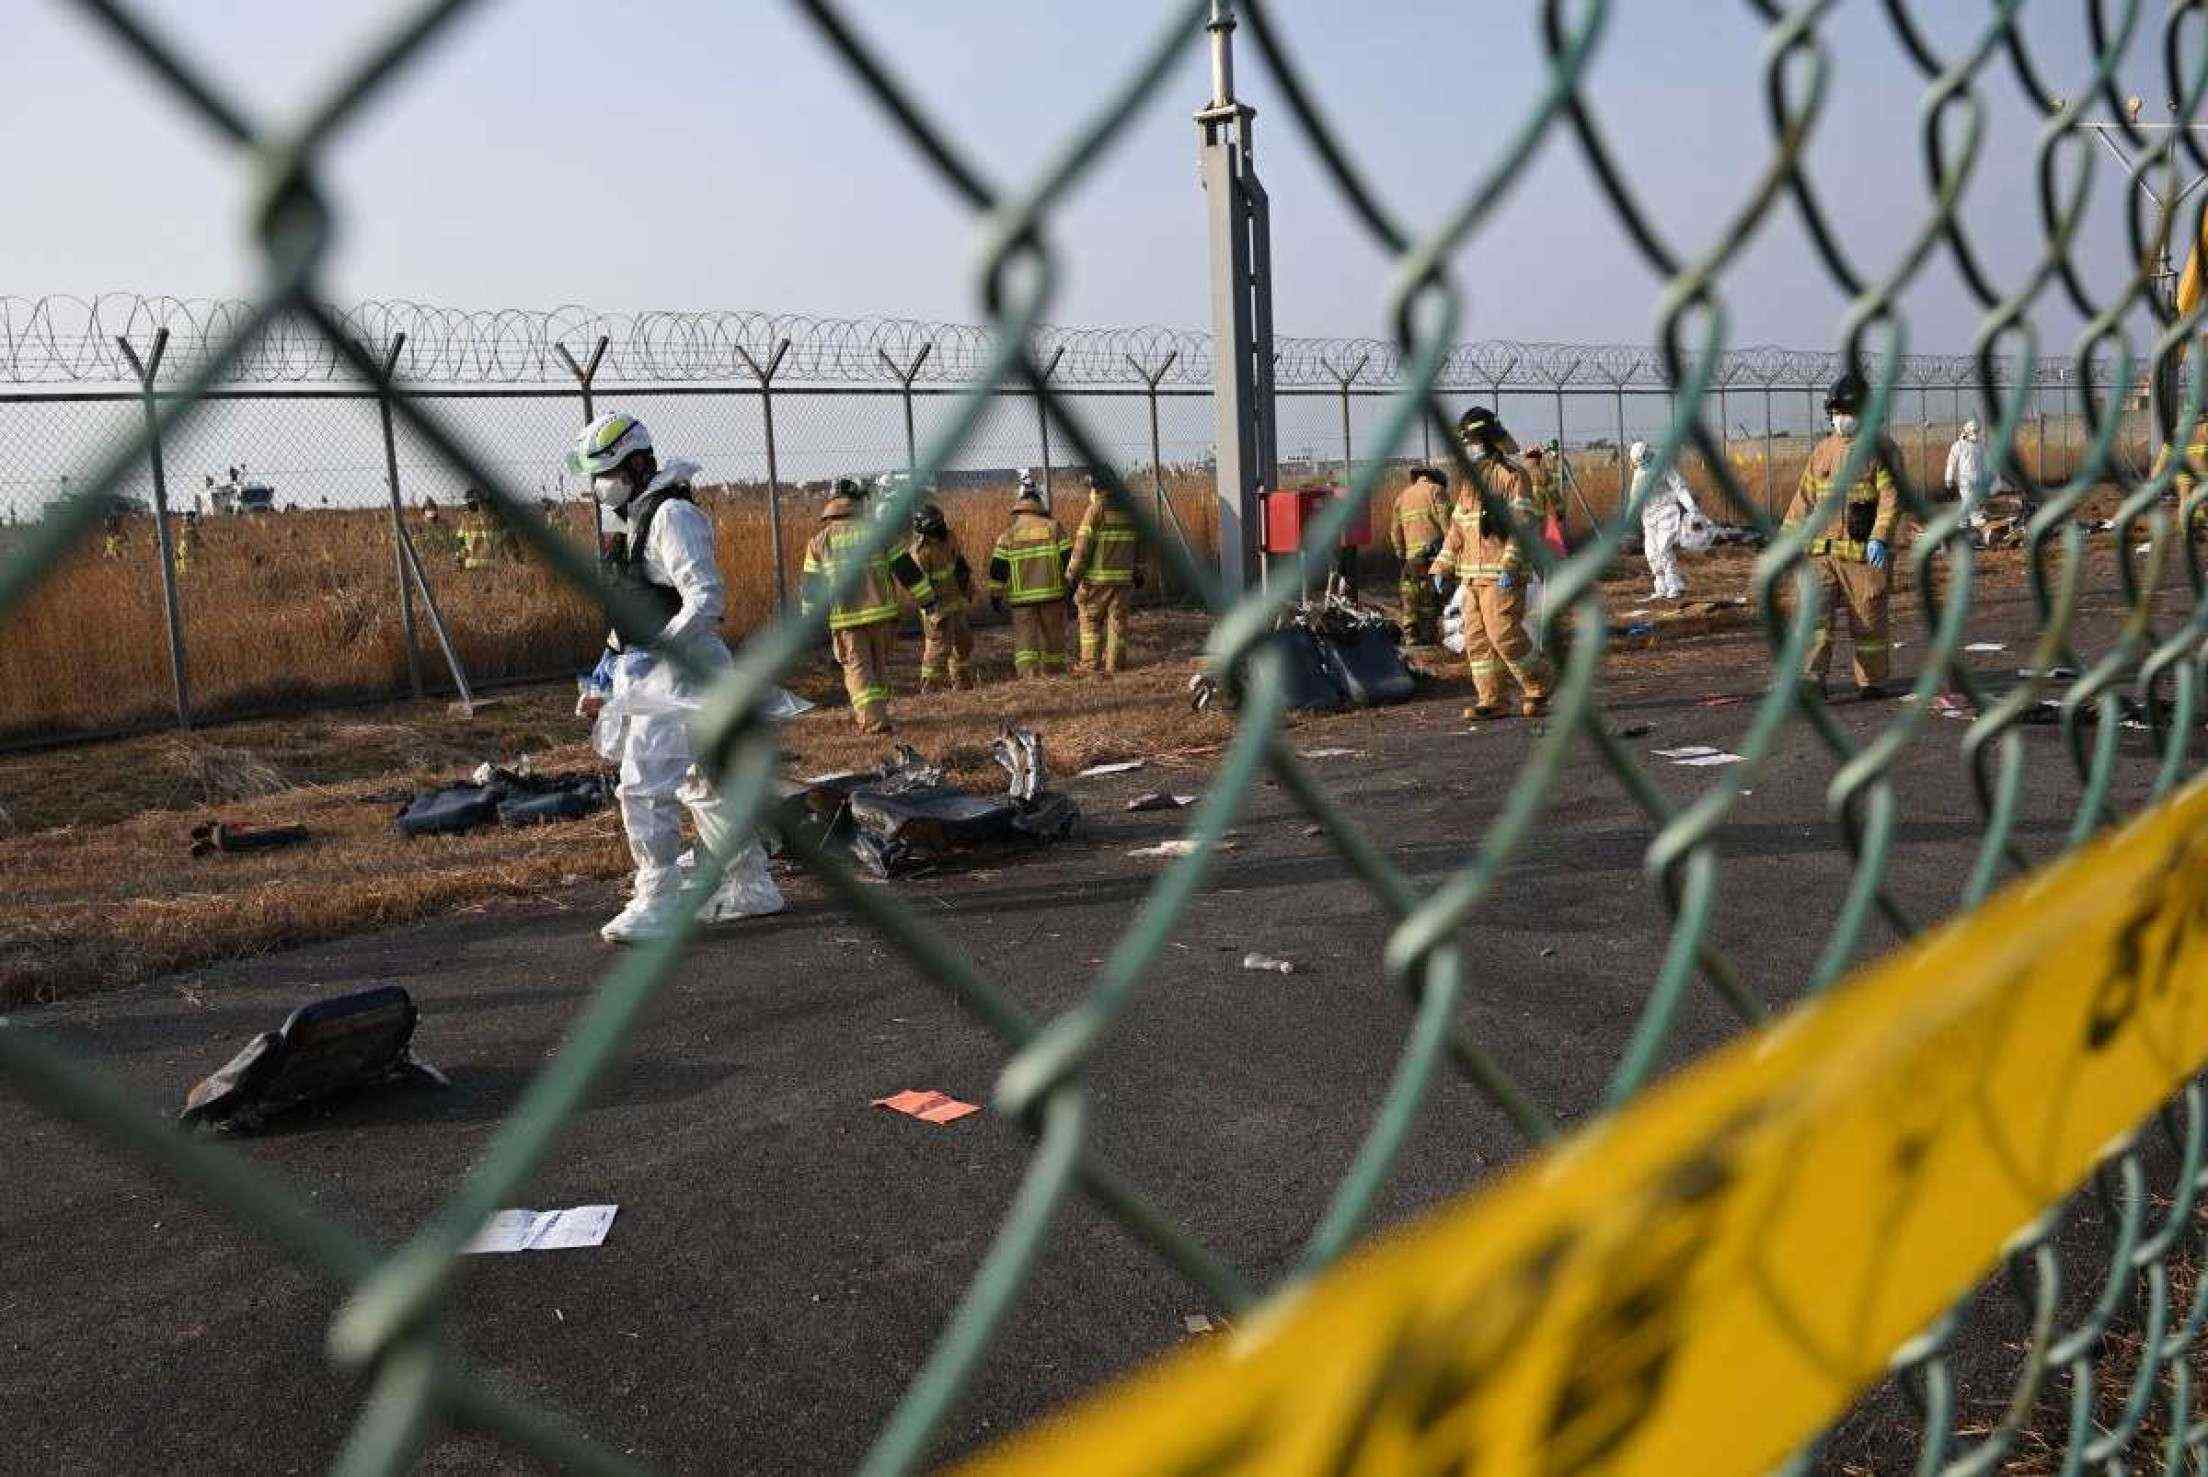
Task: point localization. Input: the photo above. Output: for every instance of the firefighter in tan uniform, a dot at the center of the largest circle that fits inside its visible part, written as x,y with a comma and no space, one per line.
1027,571
1491,573
1853,554
2192,503
1416,532
863,623
947,638
485,541
1105,571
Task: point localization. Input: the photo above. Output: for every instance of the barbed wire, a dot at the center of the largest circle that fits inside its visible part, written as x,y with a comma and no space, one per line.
74,340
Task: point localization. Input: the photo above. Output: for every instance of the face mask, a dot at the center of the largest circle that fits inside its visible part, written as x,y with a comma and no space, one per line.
1843,423
610,489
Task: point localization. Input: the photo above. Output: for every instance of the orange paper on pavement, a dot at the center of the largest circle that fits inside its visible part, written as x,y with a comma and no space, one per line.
928,1107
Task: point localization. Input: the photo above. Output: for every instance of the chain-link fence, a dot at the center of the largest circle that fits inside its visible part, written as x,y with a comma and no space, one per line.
391,1330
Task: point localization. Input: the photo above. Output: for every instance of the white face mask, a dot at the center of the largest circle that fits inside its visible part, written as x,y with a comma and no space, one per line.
1843,423
609,489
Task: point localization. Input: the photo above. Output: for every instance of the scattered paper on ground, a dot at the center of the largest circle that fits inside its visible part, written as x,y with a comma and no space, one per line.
1986,646
1178,846
1121,767
1267,963
1329,753
544,1230
1701,760
1684,751
928,1107
1161,800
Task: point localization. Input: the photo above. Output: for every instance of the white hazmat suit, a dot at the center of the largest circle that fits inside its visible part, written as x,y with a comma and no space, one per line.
1671,520
1966,471
644,726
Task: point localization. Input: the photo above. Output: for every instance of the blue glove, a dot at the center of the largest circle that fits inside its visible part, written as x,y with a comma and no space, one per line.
1506,581
1878,554
600,680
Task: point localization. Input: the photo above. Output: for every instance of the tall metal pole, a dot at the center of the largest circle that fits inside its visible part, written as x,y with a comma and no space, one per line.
146,372
1241,310
774,470
398,519
585,374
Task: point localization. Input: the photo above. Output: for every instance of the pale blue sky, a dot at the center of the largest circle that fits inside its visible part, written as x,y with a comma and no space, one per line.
690,155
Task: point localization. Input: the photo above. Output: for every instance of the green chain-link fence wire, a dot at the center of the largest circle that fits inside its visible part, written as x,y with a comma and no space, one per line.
390,1325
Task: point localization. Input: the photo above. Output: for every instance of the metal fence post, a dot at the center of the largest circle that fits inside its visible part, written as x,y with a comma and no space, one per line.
1767,452
1150,379
167,550
584,375
1042,421
1623,499
1343,382
398,519
905,377
774,470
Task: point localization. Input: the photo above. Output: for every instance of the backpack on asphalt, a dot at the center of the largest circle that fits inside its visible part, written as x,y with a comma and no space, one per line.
323,1050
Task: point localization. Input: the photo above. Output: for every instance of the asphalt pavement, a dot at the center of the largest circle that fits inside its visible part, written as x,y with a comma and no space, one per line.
786,1254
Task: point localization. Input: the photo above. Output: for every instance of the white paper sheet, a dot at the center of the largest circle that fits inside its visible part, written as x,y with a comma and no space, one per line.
1986,646
544,1230
1702,760
1686,751
1120,768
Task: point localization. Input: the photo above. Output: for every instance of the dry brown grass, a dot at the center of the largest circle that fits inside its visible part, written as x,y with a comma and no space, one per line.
295,608
102,891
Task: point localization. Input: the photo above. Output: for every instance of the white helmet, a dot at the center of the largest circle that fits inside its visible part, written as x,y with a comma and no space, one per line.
1970,430
606,443
1638,454
1027,480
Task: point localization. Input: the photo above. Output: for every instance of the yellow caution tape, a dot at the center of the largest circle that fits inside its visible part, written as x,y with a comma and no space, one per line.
1705,1280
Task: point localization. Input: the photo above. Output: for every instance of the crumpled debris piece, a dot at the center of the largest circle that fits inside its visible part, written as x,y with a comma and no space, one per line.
1266,963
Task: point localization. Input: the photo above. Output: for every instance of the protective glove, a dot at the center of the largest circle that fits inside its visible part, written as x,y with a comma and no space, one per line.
1878,554
1506,581
1441,584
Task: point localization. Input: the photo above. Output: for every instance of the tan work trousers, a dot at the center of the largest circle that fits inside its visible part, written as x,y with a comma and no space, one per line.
1854,592
864,654
1039,638
946,648
1103,611
1421,604
1495,642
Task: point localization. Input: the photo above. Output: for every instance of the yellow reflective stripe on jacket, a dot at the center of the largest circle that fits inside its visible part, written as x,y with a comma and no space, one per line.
1037,559
872,601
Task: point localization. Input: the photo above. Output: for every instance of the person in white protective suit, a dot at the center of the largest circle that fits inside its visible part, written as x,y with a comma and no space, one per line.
1670,521
642,705
1966,472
